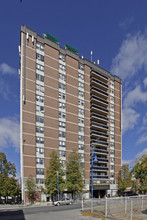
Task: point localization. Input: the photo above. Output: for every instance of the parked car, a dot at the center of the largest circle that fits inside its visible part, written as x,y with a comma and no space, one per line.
129,193
64,201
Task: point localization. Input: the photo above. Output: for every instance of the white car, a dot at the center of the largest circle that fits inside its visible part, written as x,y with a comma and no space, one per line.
64,201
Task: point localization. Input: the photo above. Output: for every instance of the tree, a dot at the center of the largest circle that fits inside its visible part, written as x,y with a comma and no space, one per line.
8,184
74,174
124,178
31,188
140,172
51,175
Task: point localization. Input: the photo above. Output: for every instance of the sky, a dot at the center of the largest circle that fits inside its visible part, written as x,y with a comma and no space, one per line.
116,32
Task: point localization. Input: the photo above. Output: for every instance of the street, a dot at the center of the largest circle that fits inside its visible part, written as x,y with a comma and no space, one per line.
65,212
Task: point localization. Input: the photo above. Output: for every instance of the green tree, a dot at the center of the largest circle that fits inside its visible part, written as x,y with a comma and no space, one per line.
140,172
74,174
8,184
51,175
124,178
31,188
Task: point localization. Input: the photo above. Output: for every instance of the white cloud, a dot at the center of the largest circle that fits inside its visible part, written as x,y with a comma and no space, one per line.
130,119
145,119
142,138
145,82
4,89
131,57
127,161
6,69
134,97
126,23
9,133
142,152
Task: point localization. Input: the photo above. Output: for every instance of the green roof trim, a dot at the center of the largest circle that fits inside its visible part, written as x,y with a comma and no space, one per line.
71,48
52,38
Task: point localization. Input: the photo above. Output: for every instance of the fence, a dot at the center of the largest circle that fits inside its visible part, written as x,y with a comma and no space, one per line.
114,207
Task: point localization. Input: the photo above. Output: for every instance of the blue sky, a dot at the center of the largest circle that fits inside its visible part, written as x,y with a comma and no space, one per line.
116,32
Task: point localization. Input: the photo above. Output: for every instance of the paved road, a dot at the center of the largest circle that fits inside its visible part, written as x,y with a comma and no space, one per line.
72,212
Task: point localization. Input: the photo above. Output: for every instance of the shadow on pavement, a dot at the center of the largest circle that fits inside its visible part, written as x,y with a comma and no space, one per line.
12,215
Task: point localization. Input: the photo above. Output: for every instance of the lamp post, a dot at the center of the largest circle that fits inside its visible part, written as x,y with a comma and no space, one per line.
58,184
93,159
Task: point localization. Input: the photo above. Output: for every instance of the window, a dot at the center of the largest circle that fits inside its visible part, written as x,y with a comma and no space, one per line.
39,46
112,129
40,171
39,129
39,108
111,83
62,144
81,138
61,134
62,77
111,174
81,85
39,119
81,66
111,98
81,93
62,86
111,106
39,150
40,181
62,67
111,144
112,91
62,105
81,102
39,98
39,57
39,88
81,146
62,57
81,120
62,115
39,77
82,156
111,159
112,167
39,140
81,76
81,111
62,95
62,153
111,151
63,162
39,67
111,113
39,160
61,124
81,129
112,137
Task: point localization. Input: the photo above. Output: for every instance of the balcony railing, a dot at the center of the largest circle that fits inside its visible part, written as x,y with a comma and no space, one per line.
99,99
99,90
99,82
100,151
99,167
100,176
99,125
94,141
100,108
105,77
99,133
99,116
102,159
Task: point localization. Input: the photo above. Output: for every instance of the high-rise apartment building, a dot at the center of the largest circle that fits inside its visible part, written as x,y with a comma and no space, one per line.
67,103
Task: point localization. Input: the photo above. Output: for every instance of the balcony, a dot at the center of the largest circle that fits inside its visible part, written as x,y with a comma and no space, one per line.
96,142
99,117
100,109
99,91
99,76
99,100
99,125
103,151
95,167
96,133
99,83
101,159
100,176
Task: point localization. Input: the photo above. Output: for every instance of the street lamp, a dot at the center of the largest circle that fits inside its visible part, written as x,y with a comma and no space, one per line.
58,184
93,159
